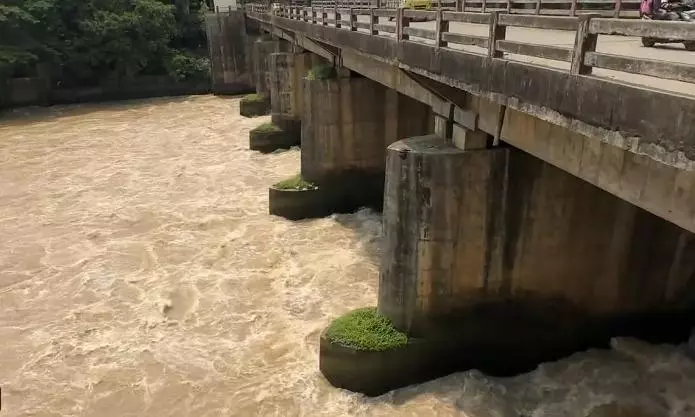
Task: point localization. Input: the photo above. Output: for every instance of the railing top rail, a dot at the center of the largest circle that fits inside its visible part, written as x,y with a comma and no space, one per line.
385,12
539,22
643,28
419,14
467,17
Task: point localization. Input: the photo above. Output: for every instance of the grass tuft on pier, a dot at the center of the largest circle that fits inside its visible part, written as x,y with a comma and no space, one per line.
267,128
366,329
296,183
253,98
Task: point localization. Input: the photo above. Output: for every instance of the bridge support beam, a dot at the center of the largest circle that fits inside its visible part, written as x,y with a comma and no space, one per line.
468,139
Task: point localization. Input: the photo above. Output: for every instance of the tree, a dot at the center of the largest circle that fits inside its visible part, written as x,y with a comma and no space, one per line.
88,42
116,40
22,33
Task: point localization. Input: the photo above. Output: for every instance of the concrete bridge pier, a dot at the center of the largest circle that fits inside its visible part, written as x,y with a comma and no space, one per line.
228,44
286,72
347,123
262,49
343,135
505,261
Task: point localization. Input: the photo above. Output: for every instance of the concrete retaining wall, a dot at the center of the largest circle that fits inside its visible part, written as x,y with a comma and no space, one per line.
33,91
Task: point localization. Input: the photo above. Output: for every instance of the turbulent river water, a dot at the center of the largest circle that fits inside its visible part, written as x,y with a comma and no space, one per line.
140,275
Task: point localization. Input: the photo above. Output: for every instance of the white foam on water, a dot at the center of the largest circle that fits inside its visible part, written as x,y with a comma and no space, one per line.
140,275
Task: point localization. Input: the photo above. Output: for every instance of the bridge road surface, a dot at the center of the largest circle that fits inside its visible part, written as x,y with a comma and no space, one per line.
617,45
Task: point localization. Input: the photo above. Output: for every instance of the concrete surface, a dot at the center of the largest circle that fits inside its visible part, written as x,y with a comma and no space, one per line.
343,135
465,229
286,70
262,48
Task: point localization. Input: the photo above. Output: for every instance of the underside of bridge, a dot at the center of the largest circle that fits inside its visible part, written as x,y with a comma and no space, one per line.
514,234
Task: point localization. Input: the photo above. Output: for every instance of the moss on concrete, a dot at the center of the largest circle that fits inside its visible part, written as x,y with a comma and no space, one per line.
366,329
322,72
253,98
267,128
254,105
295,183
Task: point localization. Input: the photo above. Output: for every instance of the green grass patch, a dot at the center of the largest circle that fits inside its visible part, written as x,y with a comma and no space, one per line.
366,329
296,183
267,128
322,72
253,98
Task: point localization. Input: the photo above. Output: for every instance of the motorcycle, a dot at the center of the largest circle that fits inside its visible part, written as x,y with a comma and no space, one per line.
677,11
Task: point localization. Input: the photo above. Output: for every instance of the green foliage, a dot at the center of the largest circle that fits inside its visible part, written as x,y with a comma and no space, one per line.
296,183
190,15
322,72
267,127
366,329
189,67
253,98
90,42
122,39
22,28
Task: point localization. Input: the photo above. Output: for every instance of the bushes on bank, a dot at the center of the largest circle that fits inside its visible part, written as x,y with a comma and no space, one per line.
366,329
188,67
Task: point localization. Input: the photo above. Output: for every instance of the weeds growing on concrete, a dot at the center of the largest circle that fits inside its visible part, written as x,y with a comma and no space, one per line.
366,329
296,183
253,98
268,127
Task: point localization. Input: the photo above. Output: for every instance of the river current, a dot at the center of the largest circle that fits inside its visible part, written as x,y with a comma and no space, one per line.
140,275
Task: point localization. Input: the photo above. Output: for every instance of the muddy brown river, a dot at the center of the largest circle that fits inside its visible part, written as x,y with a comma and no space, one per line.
140,275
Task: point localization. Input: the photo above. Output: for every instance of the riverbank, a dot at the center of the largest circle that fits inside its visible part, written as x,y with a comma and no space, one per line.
19,92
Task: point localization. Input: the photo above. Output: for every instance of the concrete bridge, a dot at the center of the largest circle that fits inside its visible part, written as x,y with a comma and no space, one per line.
539,190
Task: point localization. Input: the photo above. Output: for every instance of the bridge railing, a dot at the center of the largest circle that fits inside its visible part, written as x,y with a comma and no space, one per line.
582,58
590,58
608,8
617,8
